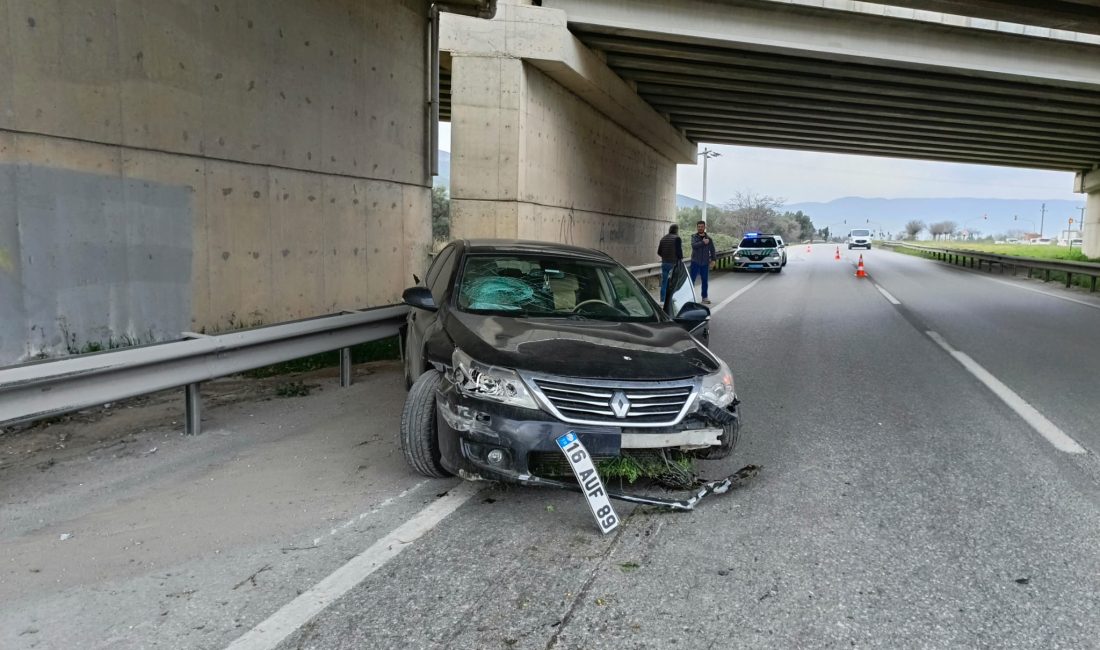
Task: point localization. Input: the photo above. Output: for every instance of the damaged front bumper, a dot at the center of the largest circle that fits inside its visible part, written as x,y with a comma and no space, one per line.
483,440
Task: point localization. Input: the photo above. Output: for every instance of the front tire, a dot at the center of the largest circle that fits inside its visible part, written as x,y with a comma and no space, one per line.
419,435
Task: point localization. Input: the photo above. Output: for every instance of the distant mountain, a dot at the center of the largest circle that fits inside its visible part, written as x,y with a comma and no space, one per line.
683,201
891,215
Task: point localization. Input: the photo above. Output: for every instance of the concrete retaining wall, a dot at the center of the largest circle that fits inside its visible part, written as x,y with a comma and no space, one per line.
186,166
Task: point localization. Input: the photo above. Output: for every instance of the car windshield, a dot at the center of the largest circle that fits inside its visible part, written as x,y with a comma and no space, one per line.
758,242
861,233
554,287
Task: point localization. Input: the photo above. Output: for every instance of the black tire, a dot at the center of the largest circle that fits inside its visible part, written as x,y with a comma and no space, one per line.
728,440
419,436
849,247
778,270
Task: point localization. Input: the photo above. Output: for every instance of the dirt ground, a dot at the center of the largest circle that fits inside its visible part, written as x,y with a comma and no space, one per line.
120,531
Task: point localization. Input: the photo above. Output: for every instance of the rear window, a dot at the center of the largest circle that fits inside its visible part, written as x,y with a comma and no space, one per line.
758,242
861,233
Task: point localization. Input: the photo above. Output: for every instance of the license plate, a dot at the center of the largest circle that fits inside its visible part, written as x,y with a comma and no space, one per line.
756,266
591,485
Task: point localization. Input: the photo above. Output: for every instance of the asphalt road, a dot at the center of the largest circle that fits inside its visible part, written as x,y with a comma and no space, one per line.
902,502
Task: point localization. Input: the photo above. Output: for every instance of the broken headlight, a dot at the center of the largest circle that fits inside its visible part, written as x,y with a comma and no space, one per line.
489,382
718,387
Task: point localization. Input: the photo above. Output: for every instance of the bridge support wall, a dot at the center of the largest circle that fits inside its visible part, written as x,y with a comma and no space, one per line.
1089,183
184,166
548,144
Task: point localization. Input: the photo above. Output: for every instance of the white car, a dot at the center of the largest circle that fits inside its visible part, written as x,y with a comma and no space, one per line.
760,252
859,238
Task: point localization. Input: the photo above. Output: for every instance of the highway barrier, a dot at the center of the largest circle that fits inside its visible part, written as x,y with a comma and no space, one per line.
42,389
978,259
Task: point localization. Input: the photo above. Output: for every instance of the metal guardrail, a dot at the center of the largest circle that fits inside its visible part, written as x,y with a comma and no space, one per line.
973,258
42,389
644,271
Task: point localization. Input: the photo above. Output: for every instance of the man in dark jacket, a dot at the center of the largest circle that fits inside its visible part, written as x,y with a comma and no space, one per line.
671,252
703,256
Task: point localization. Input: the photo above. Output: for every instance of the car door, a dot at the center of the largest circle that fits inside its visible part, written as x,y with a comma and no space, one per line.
681,294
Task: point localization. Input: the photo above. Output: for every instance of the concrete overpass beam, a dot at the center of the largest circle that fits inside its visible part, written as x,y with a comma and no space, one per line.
549,144
1089,183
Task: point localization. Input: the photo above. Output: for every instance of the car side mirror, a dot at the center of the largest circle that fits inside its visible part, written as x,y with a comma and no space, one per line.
419,297
692,315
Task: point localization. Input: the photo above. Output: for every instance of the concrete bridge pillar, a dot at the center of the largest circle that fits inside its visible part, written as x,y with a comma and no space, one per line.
1089,183
547,143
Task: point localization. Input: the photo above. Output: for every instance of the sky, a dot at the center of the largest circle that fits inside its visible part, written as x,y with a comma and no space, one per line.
801,176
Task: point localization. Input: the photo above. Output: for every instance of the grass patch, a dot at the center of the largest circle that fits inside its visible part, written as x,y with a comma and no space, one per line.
381,350
292,389
1037,252
632,468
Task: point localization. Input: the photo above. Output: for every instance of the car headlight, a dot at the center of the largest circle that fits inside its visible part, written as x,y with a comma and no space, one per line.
718,387
489,382
737,253
775,253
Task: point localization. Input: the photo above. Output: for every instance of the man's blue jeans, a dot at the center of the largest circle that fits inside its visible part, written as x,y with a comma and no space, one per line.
666,270
701,270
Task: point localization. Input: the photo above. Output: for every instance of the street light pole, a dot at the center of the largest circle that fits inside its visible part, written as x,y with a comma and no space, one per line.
706,154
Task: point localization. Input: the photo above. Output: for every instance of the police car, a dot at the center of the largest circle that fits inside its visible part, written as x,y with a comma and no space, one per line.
760,252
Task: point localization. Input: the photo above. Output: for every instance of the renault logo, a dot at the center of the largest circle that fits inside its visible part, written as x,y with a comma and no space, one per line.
620,405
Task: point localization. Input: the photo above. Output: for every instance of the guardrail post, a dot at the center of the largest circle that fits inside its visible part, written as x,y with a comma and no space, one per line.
192,402
1069,279
1046,275
1092,284
345,367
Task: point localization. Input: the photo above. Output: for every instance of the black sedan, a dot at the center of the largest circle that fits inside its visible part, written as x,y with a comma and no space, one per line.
510,344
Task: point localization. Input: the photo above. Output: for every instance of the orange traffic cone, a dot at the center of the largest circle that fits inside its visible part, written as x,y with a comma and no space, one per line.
860,273
838,252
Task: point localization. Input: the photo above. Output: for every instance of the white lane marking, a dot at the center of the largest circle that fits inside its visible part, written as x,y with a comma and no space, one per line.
1029,413
299,611
1045,293
886,294
736,294
373,510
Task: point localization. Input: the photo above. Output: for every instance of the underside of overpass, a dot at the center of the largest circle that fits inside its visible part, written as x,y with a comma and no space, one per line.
1081,16
789,75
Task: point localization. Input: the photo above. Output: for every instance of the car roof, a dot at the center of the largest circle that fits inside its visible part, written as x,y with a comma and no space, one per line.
526,247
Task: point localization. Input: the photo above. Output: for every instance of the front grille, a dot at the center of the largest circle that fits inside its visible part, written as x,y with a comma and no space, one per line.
626,404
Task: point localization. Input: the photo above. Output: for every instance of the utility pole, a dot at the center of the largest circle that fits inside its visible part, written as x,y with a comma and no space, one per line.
1042,217
706,154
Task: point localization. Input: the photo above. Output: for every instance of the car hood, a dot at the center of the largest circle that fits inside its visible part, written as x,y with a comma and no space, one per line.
585,349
